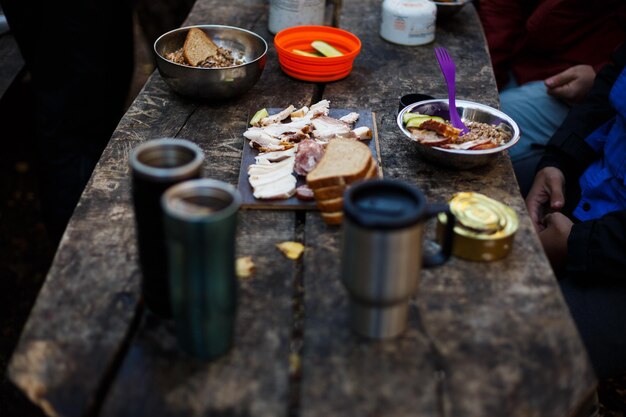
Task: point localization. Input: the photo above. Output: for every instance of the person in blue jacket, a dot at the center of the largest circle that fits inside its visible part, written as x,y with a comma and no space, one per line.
578,206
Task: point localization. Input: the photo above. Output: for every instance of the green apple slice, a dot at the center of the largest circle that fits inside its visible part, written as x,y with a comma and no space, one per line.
408,116
417,121
258,116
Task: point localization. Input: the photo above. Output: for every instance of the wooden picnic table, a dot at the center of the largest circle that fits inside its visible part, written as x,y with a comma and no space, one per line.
485,339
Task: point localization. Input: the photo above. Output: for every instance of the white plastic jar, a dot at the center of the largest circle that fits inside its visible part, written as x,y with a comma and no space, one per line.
408,22
287,13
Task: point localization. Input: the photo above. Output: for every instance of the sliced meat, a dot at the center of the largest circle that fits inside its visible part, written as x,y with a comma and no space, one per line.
308,155
261,140
295,137
363,132
483,146
428,137
350,118
327,127
264,178
278,117
276,155
278,129
443,129
318,109
305,193
263,168
467,145
299,113
281,189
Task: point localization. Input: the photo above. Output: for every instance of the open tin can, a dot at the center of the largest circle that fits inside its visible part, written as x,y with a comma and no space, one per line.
484,229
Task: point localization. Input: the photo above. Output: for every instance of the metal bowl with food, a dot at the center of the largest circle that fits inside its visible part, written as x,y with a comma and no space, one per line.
449,8
469,112
246,50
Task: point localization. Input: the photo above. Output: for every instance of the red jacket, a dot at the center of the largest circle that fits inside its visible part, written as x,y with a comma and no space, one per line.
536,39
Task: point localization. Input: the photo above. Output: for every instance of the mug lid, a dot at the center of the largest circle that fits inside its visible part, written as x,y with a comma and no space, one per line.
383,204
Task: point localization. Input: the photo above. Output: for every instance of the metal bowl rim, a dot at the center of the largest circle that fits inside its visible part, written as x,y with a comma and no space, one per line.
154,47
469,104
451,3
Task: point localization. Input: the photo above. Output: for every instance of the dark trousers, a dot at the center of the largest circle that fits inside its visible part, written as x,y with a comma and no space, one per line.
598,307
80,57
599,311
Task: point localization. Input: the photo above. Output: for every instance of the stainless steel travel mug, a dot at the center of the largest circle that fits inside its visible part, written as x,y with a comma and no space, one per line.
200,225
381,253
155,166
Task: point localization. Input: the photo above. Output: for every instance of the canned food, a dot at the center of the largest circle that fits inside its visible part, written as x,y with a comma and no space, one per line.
484,229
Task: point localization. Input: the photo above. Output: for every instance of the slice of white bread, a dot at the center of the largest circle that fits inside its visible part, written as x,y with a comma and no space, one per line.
198,47
344,161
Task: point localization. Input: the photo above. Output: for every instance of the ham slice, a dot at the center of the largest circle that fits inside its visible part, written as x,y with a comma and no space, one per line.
305,193
308,155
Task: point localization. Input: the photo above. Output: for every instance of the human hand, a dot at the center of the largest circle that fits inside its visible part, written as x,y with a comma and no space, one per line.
554,238
573,84
545,196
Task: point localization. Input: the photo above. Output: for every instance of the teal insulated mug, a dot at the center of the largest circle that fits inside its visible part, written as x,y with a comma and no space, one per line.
200,226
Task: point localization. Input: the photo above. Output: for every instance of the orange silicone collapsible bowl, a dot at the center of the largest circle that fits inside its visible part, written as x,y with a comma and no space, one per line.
316,69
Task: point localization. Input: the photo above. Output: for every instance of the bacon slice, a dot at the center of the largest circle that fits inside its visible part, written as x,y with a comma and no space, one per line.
443,129
278,117
428,137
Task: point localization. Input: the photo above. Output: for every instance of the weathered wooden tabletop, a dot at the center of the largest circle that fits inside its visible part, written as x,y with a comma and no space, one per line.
485,339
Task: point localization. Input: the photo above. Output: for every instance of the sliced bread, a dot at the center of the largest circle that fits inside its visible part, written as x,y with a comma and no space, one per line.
333,218
198,47
345,161
334,191
373,171
330,205
326,193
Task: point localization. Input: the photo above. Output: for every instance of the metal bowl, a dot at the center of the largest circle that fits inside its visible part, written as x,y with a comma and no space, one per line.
213,83
449,8
469,111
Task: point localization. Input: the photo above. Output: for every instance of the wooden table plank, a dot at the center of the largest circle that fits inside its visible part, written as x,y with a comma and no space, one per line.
486,338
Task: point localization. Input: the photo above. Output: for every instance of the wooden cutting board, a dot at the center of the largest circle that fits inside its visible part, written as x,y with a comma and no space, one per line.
366,118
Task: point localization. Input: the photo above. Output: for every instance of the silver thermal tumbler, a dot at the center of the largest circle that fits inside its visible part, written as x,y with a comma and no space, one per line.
381,253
